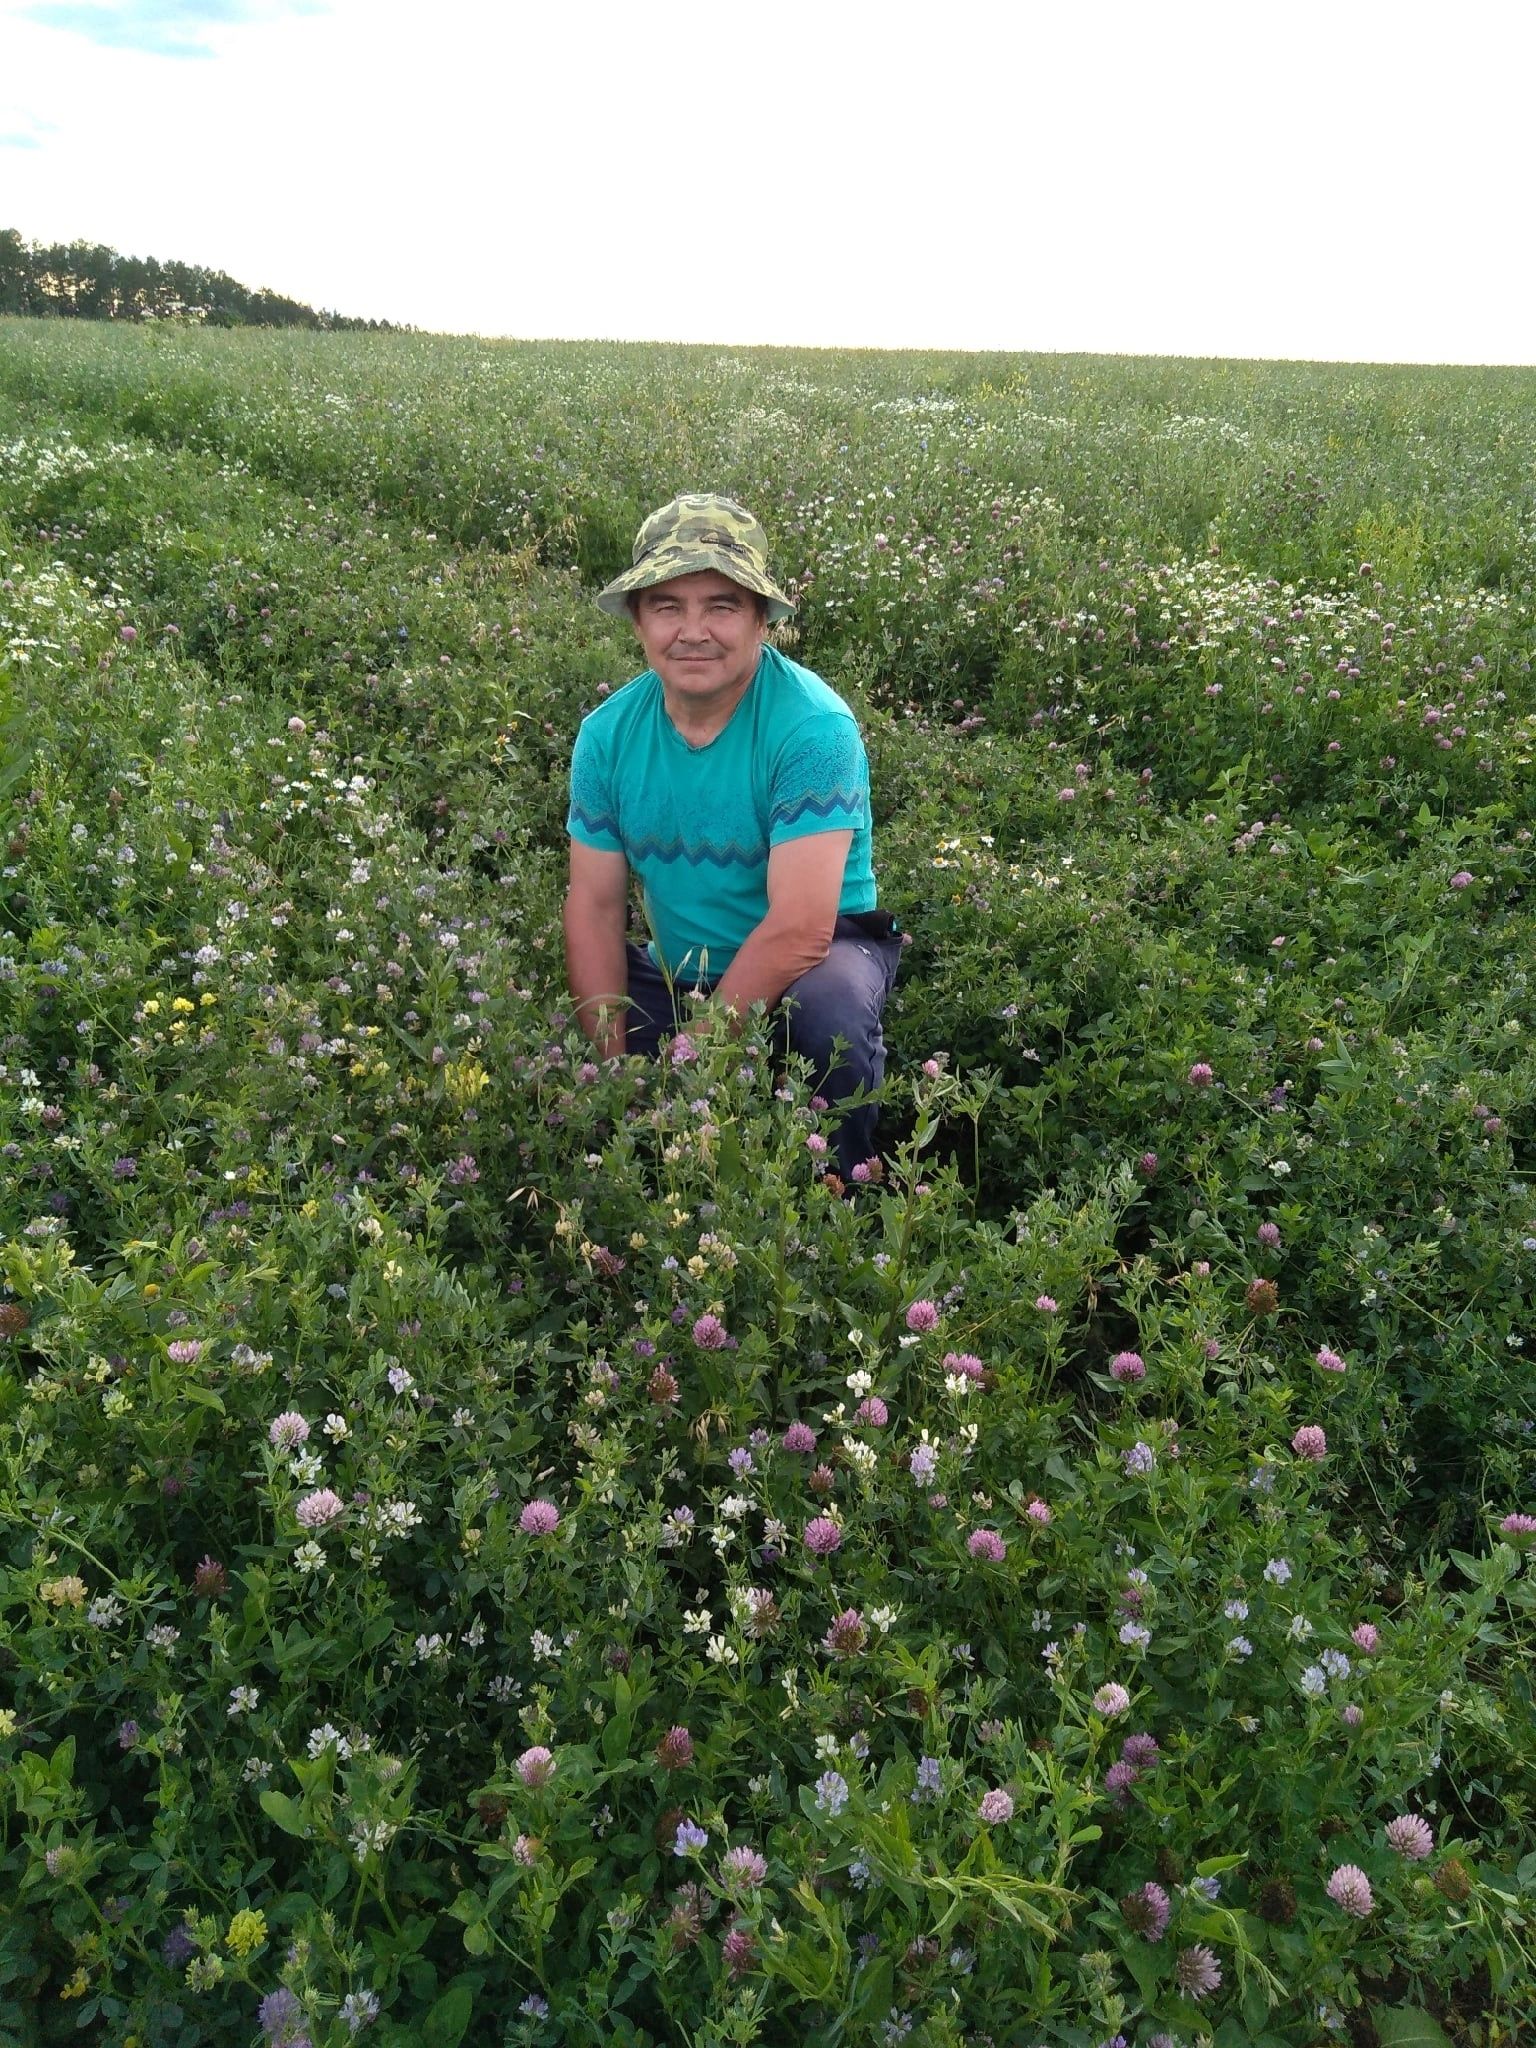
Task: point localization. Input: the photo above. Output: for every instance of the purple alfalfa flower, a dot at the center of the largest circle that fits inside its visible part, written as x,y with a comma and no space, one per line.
1118,1780
738,1951
1139,1460
847,1635
929,1779
1411,1836
359,2009
689,1839
126,1168
831,1793
743,1869
179,1946
675,1749
1350,1888
1146,1911
922,1463
463,1171
1197,1972
740,1461
535,2006
278,2015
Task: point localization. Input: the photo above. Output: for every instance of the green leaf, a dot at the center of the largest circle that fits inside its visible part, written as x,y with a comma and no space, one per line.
446,2024
286,1812
200,1397
1408,2026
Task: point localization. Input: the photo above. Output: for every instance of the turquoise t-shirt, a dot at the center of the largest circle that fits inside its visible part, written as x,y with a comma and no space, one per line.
696,823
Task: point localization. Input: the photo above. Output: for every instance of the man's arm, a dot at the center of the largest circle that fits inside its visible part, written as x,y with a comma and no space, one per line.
805,884
595,966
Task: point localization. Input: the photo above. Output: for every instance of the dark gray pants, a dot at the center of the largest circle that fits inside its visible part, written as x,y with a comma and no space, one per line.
841,998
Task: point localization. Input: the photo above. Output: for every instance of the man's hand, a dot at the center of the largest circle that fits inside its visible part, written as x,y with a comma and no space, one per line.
595,966
805,884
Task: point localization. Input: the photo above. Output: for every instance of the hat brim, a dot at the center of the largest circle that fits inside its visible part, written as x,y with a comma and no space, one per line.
667,564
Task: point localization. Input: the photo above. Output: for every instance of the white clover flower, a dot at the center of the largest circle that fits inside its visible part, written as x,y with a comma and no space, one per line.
309,1557
242,1700
883,1618
696,1621
719,1651
859,1383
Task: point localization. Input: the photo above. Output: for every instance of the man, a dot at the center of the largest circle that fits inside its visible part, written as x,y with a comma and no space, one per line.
734,785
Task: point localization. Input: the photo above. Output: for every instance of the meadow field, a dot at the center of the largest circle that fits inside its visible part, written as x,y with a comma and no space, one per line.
496,1548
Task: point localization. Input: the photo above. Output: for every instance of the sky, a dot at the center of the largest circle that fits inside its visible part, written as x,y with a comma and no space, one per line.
1334,180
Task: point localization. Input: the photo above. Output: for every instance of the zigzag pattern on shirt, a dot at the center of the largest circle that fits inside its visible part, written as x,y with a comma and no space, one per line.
702,852
850,800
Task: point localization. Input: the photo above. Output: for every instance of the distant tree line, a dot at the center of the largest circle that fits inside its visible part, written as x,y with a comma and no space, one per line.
84,281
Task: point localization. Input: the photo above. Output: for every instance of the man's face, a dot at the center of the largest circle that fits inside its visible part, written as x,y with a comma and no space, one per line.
702,635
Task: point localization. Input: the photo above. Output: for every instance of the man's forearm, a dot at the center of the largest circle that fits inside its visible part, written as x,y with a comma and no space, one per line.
598,973
773,956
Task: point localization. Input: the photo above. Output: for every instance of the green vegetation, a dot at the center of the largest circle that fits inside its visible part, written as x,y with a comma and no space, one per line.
494,1547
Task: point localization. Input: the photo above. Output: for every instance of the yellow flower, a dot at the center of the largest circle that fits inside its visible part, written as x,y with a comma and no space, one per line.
207,999
464,1080
247,1932
8,1723
66,1592
77,1986
152,1007
151,1289
182,1007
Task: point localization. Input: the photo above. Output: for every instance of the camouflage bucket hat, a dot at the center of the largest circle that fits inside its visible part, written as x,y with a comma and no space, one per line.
699,531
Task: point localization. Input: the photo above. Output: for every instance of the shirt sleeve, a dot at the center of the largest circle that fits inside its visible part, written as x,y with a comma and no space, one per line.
820,781
593,814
